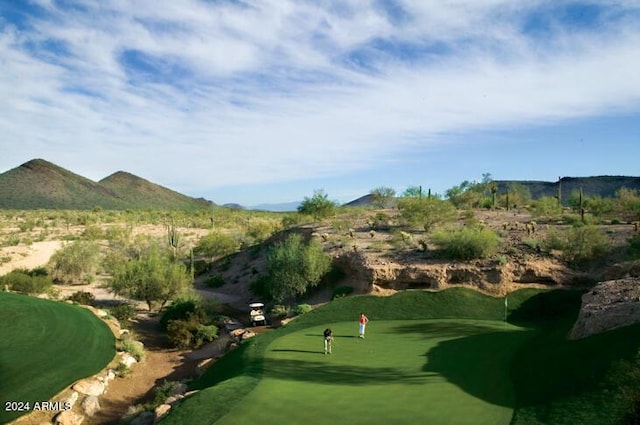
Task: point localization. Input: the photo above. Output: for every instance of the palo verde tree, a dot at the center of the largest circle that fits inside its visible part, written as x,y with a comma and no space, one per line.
75,263
294,267
318,206
382,196
473,194
152,277
216,244
426,212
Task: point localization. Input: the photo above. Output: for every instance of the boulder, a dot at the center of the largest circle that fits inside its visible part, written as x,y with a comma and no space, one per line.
90,405
89,387
203,365
68,418
127,359
247,335
162,411
236,333
71,400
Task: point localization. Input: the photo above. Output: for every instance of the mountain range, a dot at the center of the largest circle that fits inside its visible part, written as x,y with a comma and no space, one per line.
39,184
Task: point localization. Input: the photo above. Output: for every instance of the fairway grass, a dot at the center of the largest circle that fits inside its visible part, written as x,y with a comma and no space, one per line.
45,346
429,357
404,372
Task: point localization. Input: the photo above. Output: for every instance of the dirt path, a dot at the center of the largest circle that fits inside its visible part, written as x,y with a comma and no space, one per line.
161,363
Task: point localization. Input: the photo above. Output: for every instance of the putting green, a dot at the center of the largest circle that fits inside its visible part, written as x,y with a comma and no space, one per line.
44,347
405,371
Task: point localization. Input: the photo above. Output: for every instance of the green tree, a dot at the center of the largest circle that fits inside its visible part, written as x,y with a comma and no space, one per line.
519,194
426,212
318,206
546,206
413,192
216,244
467,243
75,263
294,267
382,196
584,244
628,204
153,278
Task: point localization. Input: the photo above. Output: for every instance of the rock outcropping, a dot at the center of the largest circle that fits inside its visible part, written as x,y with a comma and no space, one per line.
609,305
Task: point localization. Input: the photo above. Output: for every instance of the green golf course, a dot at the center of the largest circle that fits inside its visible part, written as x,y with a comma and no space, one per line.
429,357
45,346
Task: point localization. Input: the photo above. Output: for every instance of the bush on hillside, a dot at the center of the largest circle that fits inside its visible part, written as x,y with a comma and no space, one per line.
302,309
193,331
215,281
341,291
82,297
75,263
27,282
294,267
123,312
179,310
633,248
584,244
467,243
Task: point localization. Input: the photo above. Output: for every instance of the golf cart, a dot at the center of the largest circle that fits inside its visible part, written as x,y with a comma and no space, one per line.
257,314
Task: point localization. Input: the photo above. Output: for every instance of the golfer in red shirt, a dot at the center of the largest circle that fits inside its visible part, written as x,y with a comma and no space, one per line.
363,323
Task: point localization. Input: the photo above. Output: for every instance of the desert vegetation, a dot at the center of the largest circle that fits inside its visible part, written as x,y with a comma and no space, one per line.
171,262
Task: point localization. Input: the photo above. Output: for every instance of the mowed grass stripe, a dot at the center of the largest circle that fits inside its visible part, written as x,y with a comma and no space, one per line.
45,346
403,372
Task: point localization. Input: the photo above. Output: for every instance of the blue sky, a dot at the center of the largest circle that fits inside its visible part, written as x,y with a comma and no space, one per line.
253,101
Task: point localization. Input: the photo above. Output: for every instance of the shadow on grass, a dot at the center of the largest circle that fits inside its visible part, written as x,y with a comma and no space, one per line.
473,357
299,351
323,373
319,335
479,364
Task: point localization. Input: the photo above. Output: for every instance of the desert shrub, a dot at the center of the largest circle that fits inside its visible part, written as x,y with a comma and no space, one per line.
291,220
122,370
12,240
553,240
136,349
82,297
74,262
215,281
260,287
200,267
26,282
295,267
259,230
341,291
318,206
533,243
584,244
279,311
633,247
93,232
179,310
191,332
162,392
123,312
302,309
546,206
467,243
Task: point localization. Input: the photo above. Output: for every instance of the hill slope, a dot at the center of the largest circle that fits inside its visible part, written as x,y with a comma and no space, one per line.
135,191
39,184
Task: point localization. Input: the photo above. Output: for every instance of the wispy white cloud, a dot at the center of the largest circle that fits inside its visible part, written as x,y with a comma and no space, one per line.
233,92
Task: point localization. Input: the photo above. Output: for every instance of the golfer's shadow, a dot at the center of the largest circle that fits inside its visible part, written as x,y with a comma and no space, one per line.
334,335
297,351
